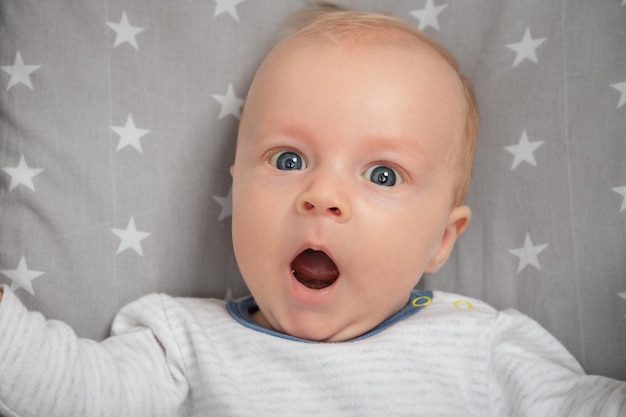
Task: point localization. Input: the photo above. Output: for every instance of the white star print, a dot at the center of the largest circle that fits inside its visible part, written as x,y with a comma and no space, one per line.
429,15
226,203
621,87
227,6
22,174
19,72
523,151
230,103
622,192
525,49
124,32
129,134
527,254
130,238
22,277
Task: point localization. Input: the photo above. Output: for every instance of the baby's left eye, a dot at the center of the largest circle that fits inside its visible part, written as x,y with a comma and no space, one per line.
383,175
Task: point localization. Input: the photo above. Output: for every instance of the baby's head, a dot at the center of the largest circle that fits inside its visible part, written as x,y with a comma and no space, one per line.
353,159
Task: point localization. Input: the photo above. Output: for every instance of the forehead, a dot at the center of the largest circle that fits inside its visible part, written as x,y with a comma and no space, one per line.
413,57
406,87
316,59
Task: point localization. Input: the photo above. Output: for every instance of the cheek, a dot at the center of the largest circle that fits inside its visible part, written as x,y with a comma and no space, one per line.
401,242
256,226
245,230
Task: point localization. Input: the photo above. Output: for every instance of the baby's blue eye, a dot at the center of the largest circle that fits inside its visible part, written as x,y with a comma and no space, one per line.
287,161
383,175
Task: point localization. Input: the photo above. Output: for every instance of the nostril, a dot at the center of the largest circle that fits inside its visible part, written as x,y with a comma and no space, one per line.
306,207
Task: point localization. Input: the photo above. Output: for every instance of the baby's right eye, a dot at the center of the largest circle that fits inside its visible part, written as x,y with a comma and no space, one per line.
287,161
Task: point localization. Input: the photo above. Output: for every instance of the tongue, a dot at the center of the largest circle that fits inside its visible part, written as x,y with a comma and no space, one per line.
314,269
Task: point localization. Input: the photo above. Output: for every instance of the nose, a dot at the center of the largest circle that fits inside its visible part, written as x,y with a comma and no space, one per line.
325,196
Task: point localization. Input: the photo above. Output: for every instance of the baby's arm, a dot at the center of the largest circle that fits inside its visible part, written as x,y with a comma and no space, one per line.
46,370
532,374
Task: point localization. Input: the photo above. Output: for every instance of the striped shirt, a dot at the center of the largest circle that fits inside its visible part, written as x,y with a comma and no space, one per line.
193,357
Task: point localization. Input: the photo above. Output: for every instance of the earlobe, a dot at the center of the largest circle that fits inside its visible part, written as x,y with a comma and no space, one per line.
232,169
457,223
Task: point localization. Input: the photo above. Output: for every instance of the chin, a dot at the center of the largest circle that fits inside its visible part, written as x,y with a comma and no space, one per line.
310,329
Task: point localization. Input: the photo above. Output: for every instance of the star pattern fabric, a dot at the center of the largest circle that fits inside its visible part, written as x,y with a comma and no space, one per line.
227,6
125,32
129,134
231,104
20,72
22,174
621,87
429,15
621,191
524,151
22,277
130,238
527,254
115,149
526,48
227,205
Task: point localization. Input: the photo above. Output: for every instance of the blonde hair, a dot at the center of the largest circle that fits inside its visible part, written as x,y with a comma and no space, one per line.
326,19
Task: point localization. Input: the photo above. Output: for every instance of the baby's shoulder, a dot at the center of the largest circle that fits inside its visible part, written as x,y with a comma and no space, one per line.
449,313
157,309
167,302
447,304
446,315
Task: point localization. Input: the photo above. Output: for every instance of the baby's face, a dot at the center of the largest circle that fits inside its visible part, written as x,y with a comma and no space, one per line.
343,184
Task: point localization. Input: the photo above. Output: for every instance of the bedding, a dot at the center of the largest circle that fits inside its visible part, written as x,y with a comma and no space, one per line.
118,123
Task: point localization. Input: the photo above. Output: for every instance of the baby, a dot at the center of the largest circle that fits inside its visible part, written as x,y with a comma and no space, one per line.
353,159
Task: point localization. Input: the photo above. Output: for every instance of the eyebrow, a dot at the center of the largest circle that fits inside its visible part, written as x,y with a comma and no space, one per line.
277,126
403,145
379,142
394,142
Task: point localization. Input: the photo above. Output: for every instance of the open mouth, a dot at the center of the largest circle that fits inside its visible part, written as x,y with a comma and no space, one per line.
314,269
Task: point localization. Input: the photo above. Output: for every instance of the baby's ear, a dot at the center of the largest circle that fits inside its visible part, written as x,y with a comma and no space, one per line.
457,223
232,169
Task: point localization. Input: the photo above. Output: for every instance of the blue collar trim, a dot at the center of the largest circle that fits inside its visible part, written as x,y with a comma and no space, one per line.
240,311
